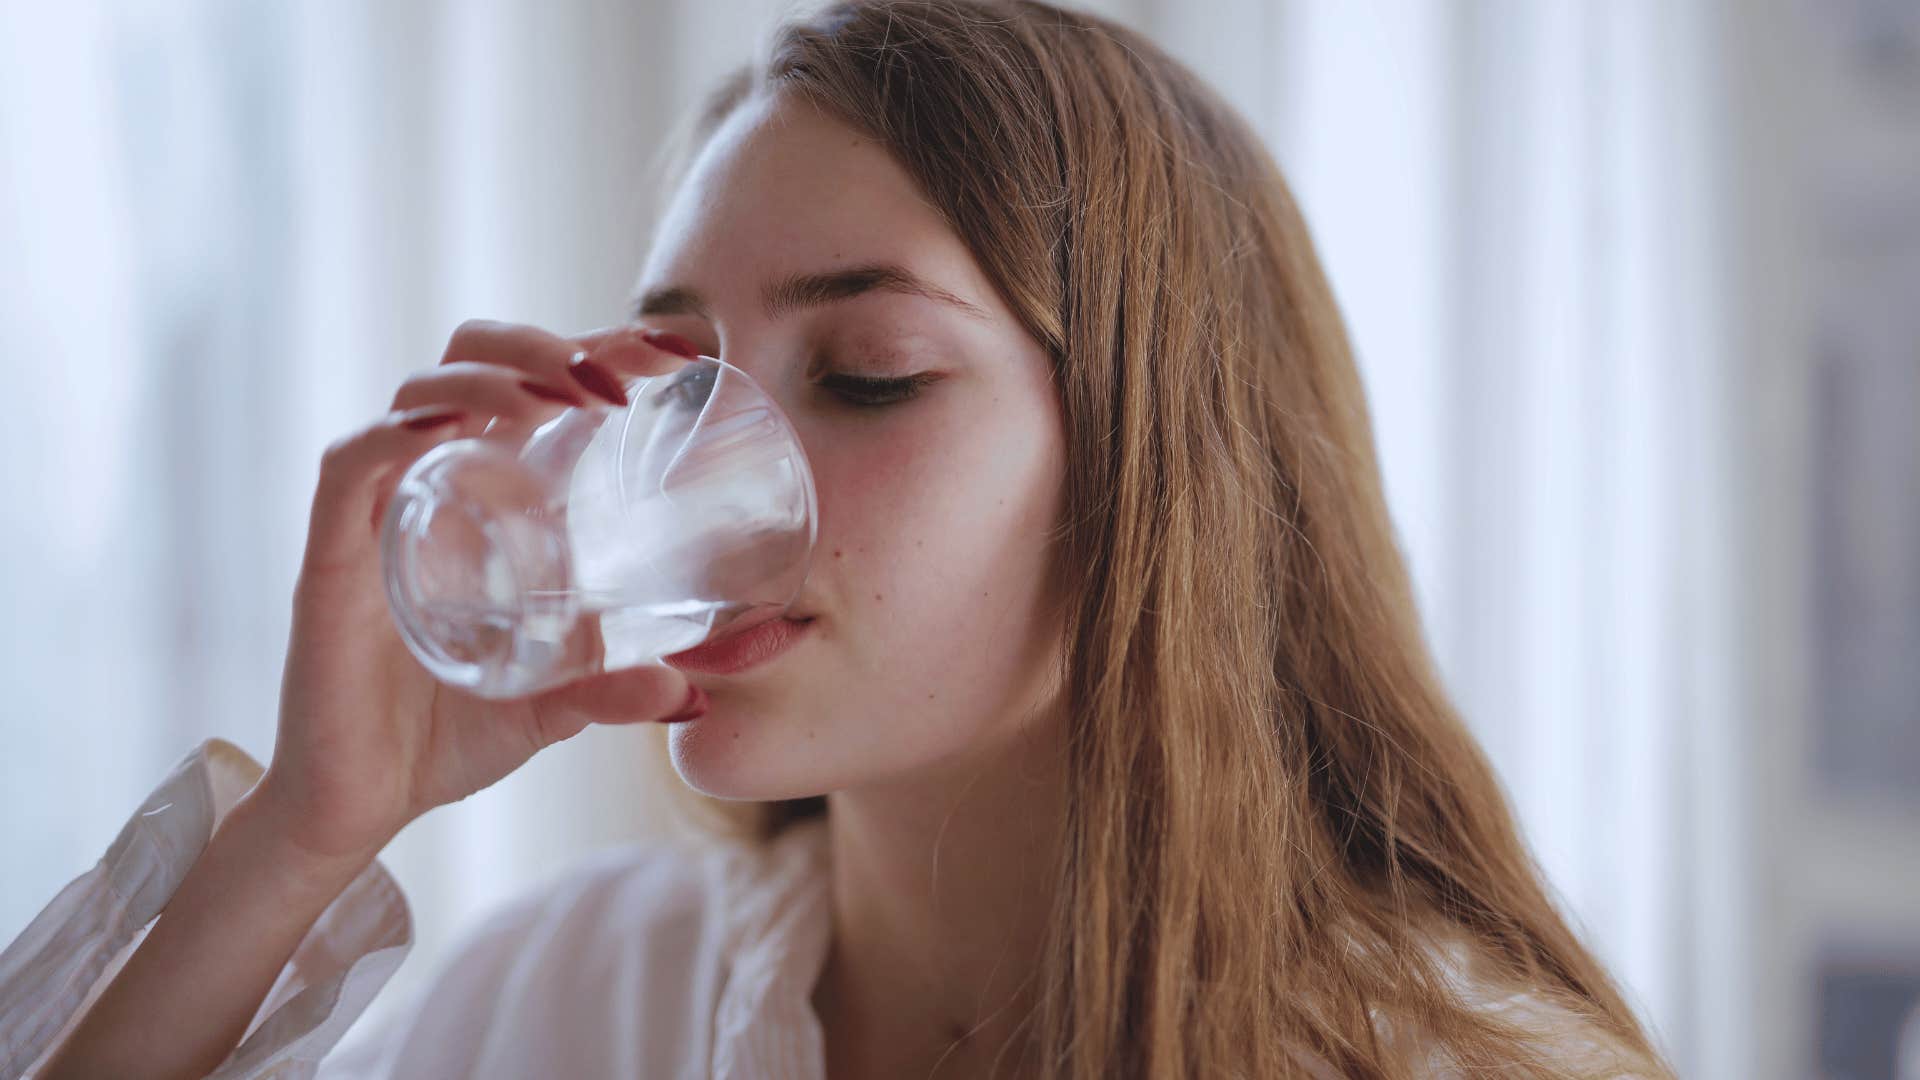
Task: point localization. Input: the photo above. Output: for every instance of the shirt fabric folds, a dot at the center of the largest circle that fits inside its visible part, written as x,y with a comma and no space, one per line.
627,965
654,961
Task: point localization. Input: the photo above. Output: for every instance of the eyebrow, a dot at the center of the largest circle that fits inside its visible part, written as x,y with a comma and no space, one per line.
811,290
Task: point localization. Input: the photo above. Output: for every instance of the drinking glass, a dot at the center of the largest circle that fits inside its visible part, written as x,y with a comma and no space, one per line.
608,537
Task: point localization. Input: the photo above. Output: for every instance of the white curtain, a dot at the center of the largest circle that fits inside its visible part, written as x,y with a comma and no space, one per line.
231,228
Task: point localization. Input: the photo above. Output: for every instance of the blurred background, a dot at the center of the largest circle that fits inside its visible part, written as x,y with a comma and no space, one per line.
1635,286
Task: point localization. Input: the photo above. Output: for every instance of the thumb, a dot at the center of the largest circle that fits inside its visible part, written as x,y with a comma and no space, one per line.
629,695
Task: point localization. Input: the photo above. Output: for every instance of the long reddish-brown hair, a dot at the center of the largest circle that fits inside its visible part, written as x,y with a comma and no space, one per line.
1282,844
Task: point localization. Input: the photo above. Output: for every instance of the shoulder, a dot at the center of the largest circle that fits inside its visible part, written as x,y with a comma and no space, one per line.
1555,1027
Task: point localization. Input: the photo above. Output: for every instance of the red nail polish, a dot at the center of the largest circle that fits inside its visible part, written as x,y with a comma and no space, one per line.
595,378
548,393
694,707
672,343
422,423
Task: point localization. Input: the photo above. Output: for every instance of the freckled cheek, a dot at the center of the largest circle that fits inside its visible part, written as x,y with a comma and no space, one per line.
903,519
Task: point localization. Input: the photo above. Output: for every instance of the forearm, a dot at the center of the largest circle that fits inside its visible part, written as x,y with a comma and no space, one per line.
183,1000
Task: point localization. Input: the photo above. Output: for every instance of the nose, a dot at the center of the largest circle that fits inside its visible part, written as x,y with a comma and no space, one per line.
770,362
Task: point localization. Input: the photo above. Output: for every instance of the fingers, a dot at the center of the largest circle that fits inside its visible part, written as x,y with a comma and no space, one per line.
495,378
596,365
636,350
355,470
545,357
647,692
487,389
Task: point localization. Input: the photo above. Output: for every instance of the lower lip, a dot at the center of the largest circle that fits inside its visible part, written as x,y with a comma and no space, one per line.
738,652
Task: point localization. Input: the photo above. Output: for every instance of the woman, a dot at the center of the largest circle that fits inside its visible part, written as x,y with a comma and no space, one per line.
1103,741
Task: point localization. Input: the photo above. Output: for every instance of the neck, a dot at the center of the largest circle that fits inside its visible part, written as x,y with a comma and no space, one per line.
941,888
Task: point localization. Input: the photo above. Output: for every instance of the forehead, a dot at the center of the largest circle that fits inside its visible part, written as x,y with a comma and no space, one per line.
784,187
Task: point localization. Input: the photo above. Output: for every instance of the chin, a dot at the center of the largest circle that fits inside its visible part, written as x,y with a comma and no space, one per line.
728,754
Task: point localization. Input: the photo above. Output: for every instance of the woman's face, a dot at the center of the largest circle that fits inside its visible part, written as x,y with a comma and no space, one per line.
934,638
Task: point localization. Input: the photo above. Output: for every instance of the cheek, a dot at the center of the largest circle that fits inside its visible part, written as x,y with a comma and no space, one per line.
933,547
940,637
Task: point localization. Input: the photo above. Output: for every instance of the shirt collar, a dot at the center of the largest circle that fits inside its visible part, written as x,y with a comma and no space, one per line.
780,922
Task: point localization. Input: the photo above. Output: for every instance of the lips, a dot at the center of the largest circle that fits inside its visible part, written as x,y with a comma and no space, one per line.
738,652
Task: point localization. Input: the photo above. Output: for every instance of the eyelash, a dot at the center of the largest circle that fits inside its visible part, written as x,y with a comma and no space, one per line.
858,391
866,392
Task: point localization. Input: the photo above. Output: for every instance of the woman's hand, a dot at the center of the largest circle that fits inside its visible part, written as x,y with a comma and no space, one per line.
369,740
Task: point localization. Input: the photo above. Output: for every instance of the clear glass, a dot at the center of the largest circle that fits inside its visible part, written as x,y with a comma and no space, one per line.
607,538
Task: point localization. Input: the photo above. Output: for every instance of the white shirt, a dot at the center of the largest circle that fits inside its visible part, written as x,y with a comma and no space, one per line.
644,962
629,965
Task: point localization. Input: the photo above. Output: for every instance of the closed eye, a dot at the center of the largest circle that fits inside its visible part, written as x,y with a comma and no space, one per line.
867,392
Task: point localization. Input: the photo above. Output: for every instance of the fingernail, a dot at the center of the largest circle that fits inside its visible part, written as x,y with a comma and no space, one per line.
550,394
672,343
595,378
432,420
695,706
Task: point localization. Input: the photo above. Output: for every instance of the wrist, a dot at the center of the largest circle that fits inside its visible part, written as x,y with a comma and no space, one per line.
262,826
